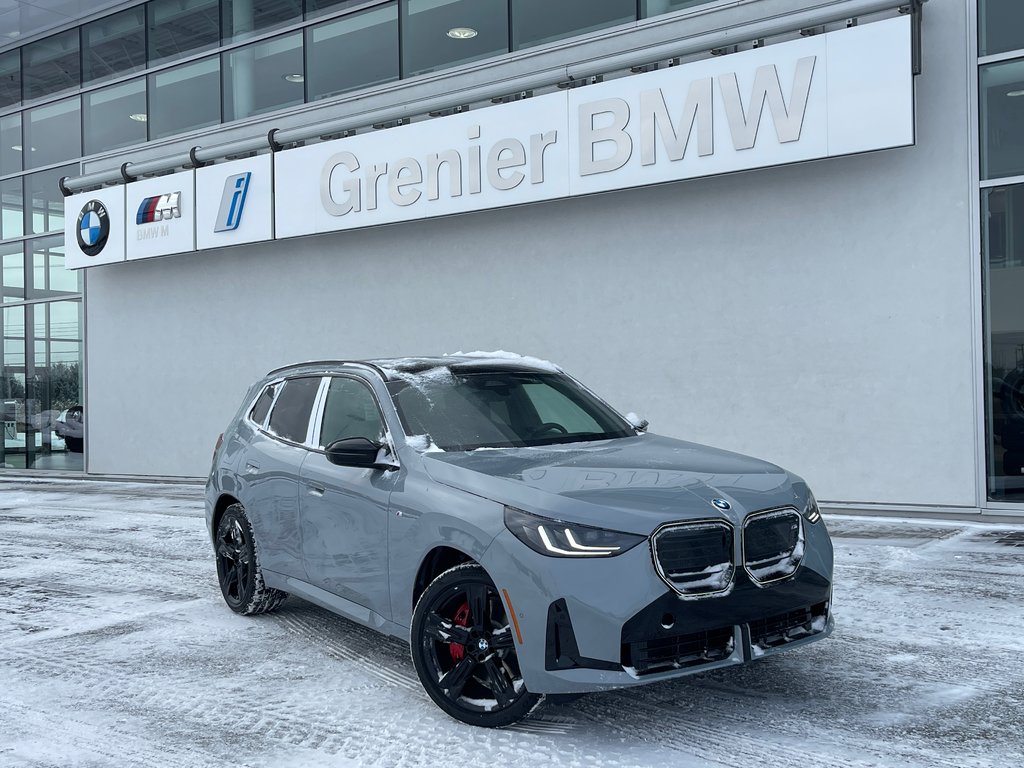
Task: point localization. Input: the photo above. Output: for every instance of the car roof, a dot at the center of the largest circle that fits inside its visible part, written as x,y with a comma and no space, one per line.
391,368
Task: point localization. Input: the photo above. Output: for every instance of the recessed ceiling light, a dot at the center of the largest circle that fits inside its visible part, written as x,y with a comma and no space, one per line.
1015,93
461,33
139,117
298,77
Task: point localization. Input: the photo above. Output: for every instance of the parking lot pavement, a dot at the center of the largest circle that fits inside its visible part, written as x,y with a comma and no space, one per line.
117,650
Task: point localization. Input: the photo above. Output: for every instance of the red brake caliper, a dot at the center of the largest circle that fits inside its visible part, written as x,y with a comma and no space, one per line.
462,619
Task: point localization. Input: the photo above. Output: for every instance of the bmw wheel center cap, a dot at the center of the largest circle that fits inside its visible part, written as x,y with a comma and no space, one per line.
722,504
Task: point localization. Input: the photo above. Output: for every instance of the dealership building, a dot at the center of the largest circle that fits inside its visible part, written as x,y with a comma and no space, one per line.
782,227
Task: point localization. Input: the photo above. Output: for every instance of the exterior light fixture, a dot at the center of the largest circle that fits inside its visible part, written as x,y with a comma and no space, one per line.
1015,93
139,117
297,77
461,33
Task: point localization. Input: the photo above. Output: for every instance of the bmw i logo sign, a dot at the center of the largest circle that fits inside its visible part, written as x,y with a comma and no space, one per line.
93,228
722,504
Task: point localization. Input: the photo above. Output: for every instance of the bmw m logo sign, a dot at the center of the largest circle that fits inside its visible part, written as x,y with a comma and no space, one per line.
159,208
93,228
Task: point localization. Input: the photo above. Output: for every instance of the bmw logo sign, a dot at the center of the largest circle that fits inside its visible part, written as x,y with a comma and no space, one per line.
722,504
93,228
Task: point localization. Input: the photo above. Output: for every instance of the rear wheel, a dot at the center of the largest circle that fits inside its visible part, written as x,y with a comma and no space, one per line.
238,566
464,650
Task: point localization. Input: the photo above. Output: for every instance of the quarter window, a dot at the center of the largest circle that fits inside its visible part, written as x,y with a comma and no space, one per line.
350,411
259,411
290,418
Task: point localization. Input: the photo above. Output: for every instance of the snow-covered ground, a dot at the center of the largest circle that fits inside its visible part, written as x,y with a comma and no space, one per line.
117,650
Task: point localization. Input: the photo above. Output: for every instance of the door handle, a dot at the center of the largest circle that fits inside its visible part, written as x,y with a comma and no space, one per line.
251,468
316,490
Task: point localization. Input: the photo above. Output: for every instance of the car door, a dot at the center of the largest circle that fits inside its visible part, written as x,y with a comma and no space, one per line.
344,510
269,469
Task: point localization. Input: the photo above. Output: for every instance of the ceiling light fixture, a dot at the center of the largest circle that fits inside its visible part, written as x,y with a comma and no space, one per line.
461,33
1015,93
138,117
298,77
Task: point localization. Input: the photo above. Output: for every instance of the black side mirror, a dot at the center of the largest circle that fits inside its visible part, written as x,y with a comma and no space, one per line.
354,452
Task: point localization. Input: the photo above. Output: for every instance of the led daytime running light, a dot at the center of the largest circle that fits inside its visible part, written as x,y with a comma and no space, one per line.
577,548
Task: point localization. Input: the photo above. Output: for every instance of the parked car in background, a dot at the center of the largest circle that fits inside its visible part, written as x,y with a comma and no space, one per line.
70,427
526,538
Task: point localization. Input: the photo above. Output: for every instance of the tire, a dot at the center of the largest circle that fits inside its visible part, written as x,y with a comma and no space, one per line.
477,681
238,566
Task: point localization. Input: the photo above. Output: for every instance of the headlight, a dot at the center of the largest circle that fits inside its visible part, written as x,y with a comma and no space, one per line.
811,511
556,538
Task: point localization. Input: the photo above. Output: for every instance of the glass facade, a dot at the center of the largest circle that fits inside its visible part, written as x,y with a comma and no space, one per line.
167,67
1001,121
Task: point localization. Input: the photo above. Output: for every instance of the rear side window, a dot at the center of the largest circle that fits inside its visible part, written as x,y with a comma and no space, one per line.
262,408
290,418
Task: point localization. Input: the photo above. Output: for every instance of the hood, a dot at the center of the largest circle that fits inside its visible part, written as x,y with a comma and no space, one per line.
631,484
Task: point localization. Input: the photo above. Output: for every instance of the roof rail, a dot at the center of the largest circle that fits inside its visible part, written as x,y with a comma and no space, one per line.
375,368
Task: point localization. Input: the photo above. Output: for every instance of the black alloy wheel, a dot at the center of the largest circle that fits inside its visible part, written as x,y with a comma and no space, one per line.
464,650
238,568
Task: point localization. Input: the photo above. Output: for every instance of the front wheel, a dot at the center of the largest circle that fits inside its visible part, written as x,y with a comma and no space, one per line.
464,650
238,566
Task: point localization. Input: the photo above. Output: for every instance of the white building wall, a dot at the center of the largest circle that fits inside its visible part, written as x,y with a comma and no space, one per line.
819,315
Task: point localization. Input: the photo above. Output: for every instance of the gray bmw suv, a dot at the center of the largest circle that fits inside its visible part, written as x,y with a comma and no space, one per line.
523,536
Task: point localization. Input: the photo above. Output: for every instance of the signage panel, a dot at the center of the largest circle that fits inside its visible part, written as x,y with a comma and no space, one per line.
160,216
489,158
234,202
94,228
839,93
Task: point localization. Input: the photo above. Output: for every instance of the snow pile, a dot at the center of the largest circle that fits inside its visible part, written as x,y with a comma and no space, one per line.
423,444
501,354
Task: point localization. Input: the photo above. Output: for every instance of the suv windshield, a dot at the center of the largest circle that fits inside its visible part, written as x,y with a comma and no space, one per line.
462,411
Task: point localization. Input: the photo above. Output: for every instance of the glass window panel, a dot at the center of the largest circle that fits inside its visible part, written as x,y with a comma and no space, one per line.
1003,260
541,21
655,7
184,98
177,27
46,203
64,319
290,417
114,45
442,33
1002,119
114,117
316,8
243,18
59,279
1000,26
10,78
49,278
263,76
12,209
352,52
51,65
13,277
10,144
52,133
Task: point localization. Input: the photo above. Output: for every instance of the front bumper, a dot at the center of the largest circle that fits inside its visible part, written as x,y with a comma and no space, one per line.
589,625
